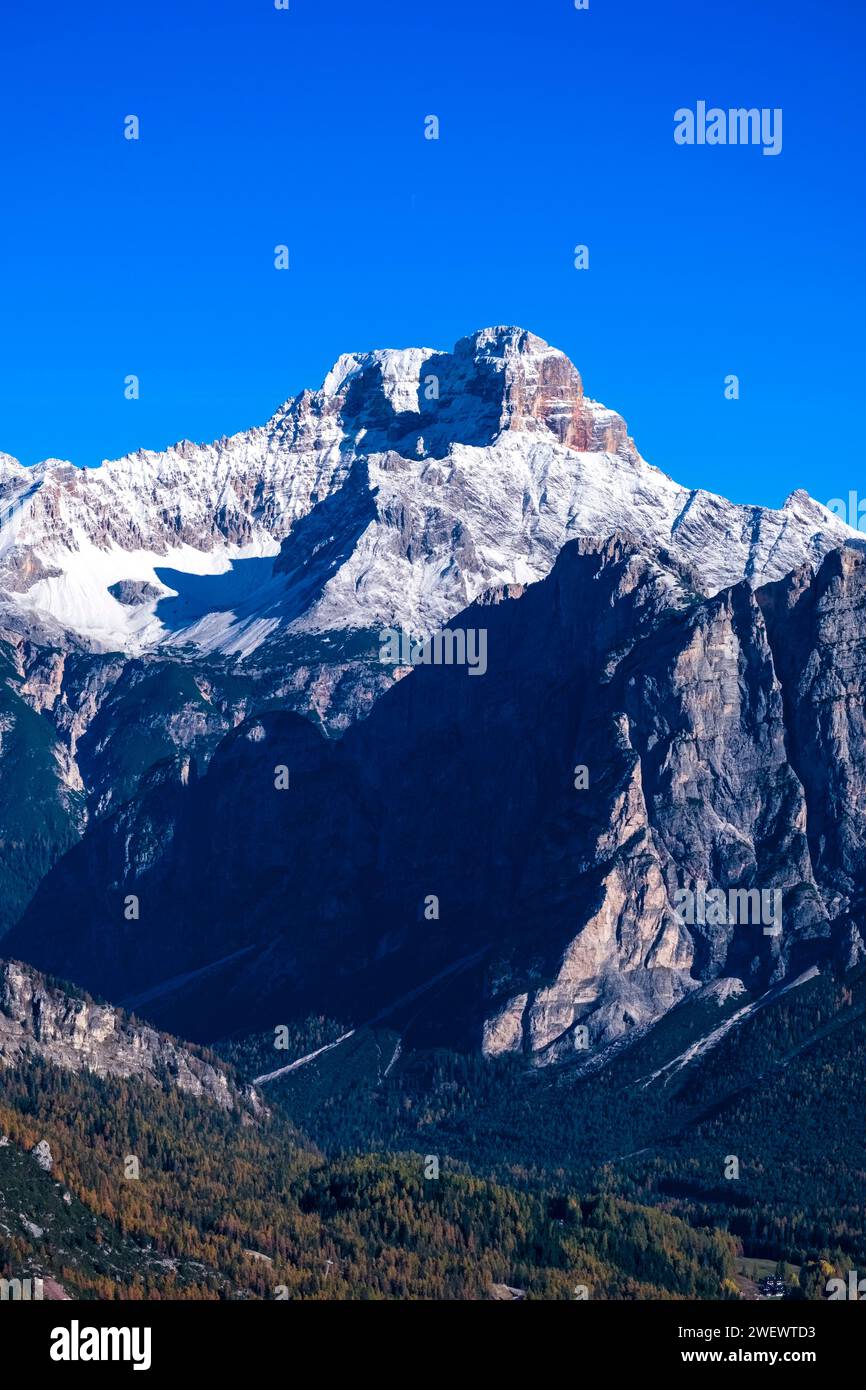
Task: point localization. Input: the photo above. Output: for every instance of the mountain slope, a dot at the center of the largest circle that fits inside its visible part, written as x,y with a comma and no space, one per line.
555,904
222,1204
780,1089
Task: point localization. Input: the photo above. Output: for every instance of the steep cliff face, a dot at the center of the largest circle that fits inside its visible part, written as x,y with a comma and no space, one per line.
504,862
704,799
42,797
40,1020
816,628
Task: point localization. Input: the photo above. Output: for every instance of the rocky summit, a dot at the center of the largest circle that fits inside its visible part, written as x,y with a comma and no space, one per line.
396,494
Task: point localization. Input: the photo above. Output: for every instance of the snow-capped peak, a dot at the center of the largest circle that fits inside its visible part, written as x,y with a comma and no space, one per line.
413,480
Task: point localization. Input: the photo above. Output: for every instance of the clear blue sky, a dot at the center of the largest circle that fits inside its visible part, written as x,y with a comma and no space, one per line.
261,127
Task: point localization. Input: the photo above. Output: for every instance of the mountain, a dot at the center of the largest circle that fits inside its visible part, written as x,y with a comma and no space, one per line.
569,880
149,606
440,864
441,870
409,484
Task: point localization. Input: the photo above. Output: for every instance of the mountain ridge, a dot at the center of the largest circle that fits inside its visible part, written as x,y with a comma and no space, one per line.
394,495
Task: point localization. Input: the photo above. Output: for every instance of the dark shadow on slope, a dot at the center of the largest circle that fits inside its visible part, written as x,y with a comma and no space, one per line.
321,542
458,403
198,595
278,587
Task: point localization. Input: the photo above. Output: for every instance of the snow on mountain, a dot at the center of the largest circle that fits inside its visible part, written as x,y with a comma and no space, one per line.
395,495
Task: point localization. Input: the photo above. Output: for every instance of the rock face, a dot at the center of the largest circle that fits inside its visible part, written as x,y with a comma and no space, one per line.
134,591
40,1020
499,863
41,1153
815,627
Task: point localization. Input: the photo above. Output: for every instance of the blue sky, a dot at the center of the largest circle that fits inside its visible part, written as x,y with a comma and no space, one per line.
306,127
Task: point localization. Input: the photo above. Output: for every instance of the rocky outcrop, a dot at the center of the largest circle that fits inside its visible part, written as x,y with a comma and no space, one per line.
38,1019
131,592
41,1154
